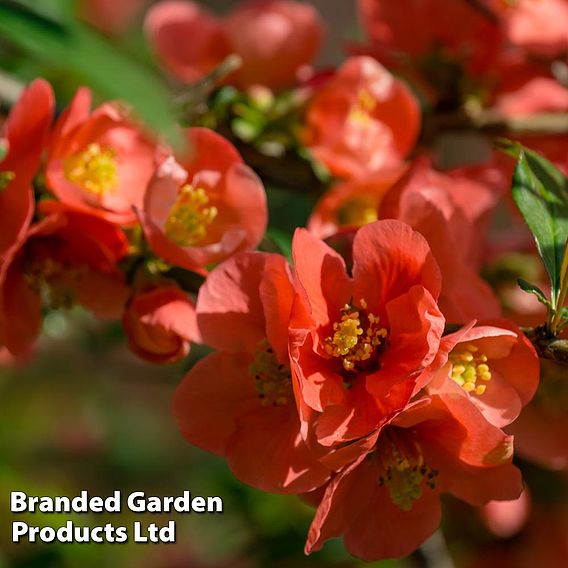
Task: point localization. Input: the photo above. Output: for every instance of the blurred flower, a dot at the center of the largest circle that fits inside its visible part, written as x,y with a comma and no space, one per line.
24,136
274,38
352,204
240,402
539,26
206,208
542,428
358,342
494,365
507,518
418,29
67,257
362,120
110,16
387,503
188,39
99,161
160,323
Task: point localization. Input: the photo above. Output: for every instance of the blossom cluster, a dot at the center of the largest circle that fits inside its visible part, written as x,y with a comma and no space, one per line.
371,370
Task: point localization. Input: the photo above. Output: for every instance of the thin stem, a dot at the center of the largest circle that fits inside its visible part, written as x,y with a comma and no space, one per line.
557,319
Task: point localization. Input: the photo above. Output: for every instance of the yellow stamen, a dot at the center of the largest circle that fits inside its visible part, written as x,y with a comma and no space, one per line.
273,379
95,170
356,337
5,179
361,110
358,212
403,468
189,218
468,367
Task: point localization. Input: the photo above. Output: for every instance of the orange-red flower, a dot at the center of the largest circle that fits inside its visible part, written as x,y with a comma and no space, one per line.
189,40
109,16
539,27
493,364
160,323
67,257
352,204
542,428
99,161
274,38
450,210
358,342
422,28
206,208
24,136
239,402
387,503
362,120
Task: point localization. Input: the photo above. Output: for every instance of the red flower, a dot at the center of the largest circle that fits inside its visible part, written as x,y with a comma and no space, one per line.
111,17
362,121
419,28
239,402
99,162
358,342
352,204
188,39
539,27
274,38
68,257
387,503
160,323
24,136
209,209
492,364
450,211
541,430
507,518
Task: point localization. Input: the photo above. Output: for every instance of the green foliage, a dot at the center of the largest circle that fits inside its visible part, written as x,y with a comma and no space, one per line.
540,192
532,289
72,47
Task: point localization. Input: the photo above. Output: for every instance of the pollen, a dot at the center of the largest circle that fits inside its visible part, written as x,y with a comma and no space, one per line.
358,212
403,470
469,369
361,110
357,336
189,217
273,380
95,170
5,179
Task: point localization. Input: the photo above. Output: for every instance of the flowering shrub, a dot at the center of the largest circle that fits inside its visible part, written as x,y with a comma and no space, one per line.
368,355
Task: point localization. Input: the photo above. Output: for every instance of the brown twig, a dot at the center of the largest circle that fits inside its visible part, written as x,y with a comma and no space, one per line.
548,346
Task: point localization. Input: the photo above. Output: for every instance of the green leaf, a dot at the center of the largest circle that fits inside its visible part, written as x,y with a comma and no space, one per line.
533,289
81,52
540,191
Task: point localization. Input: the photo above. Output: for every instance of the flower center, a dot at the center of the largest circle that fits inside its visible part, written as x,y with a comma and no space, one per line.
273,380
189,217
403,468
360,112
5,179
54,282
468,367
95,170
356,338
358,212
